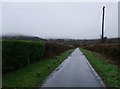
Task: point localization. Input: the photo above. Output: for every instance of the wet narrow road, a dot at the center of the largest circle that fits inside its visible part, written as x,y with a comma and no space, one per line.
75,71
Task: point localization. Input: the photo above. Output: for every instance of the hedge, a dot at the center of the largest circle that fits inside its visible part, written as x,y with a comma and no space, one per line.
16,54
110,50
55,48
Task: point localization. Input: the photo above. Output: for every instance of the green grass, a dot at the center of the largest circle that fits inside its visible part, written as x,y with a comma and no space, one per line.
108,72
27,76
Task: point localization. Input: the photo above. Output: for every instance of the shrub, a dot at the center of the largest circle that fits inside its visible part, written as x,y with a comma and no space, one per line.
54,48
16,54
110,50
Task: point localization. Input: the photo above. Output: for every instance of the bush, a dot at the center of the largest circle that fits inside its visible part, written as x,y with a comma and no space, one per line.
53,48
16,54
110,50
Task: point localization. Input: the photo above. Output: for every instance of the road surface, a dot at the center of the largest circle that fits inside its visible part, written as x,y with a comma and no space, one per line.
75,71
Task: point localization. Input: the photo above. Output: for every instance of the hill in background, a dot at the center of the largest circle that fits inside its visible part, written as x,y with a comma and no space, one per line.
75,42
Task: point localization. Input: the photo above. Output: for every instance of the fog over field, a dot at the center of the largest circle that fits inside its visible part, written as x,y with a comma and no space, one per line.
76,20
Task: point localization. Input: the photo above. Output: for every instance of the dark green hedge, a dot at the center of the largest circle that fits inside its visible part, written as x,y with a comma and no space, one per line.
16,54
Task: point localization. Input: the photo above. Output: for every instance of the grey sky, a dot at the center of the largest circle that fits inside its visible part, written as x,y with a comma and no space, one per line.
77,20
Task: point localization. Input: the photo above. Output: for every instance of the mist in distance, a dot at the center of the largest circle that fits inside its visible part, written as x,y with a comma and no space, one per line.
69,20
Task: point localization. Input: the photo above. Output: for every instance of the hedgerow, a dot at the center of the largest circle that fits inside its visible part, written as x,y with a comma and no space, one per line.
16,54
53,48
110,50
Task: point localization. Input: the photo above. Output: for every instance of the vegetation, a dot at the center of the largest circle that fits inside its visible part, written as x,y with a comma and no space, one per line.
109,72
16,54
80,42
27,63
110,50
32,75
52,49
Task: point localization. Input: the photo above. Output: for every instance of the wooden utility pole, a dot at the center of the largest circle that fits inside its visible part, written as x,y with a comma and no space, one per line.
103,24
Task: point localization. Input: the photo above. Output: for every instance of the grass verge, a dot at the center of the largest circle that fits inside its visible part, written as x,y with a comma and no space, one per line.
108,72
33,74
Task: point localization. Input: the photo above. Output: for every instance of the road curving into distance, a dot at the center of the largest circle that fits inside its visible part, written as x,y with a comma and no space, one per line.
75,71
